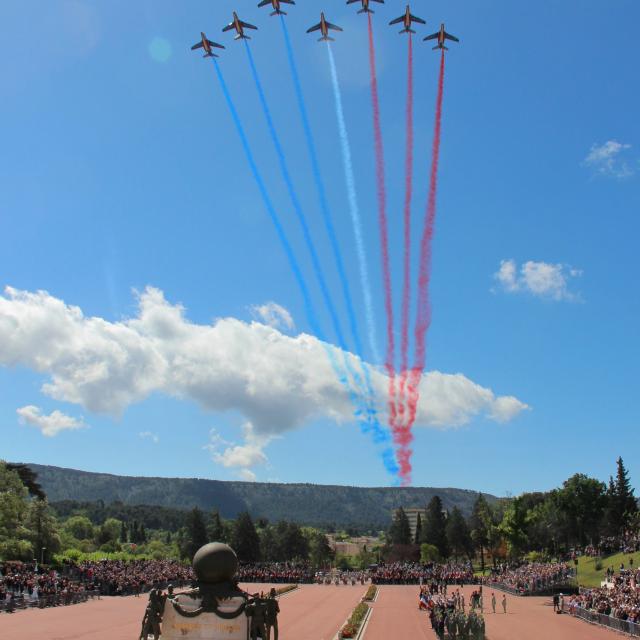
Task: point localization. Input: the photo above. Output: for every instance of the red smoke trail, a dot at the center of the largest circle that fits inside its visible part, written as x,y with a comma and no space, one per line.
384,233
423,319
408,191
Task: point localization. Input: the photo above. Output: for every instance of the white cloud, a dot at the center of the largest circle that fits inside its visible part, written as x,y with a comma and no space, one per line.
247,475
244,456
277,382
150,435
540,279
608,159
273,315
50,425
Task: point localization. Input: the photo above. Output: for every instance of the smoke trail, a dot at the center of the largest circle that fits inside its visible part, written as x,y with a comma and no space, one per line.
406,290
380,435
354,209
382,221
369,424
423,316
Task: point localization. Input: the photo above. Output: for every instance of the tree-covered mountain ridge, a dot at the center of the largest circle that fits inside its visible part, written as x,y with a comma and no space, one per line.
310,504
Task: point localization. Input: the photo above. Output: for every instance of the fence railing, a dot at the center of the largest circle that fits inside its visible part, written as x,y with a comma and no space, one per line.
624,626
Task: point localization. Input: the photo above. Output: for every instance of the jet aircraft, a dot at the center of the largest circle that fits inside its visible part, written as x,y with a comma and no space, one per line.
406,20
365,5
277,11
239,26
441,35
323,26
206,45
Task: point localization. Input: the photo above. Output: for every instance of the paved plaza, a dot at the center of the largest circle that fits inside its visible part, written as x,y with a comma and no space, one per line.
312,612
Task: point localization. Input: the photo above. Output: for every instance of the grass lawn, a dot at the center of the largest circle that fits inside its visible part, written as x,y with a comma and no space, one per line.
588,576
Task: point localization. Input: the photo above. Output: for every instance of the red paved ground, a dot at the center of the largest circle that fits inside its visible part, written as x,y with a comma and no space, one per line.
395,616
313,612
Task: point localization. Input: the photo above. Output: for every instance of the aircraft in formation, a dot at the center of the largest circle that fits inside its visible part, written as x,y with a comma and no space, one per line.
323,26
407,19
207,46
442,36
365,5
239,26
277,11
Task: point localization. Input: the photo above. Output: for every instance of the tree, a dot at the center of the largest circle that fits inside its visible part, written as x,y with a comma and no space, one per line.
14,535
79,527
622,502
215,530
195,534
434,527
513,527
43,529
418,535
458,536
269,547
429,553
245,541
479,523
109,531
123,533
583,500
400,530
295,545
29,479
320,553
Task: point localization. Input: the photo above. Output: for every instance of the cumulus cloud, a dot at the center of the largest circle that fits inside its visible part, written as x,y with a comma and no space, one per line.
275,381
240,456
50,425
273,315
540,279
150,436
609,159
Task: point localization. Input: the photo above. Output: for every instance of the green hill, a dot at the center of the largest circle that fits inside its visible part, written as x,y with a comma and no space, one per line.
304,503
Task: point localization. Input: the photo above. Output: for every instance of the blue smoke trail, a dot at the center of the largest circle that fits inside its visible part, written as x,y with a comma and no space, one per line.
380,434
354,210
390,462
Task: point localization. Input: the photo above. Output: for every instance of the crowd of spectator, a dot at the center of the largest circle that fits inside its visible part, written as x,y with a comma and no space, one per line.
619,598
24,585
627,543
533,577
416,573
279,572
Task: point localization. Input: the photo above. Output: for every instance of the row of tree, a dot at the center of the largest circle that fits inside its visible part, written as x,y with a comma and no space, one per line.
581,512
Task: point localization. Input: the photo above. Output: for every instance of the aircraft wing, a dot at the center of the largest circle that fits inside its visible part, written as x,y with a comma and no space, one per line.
416,19
198,45
397,20
288,1
433,36
448,36
264,3
380,1
246,25
214,44
315,28
335,27
230,26
352,1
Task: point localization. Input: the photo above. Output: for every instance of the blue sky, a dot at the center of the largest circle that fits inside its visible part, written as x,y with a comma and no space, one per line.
121,169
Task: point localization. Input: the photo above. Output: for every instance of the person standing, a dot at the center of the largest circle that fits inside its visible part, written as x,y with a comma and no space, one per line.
556,602
504,602
493,602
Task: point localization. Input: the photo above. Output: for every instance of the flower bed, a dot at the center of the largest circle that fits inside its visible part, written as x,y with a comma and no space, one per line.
351,628
371,594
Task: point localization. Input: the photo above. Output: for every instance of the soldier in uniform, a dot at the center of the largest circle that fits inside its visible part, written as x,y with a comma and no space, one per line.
272,615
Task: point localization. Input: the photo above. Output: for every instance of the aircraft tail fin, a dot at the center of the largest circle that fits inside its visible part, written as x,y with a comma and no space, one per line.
242,37
327,39
366,11
278,13
441,47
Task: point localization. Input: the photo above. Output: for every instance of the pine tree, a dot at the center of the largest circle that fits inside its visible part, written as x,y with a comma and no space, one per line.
400,530
480,523
246,542
623,503
143,534
458,535
196,532
123,532
215,530
418,536
434,526
134,538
